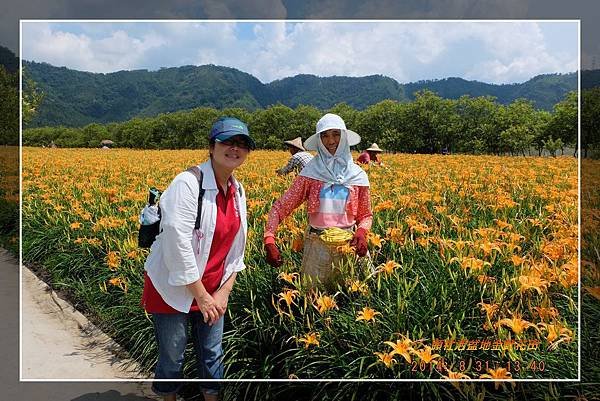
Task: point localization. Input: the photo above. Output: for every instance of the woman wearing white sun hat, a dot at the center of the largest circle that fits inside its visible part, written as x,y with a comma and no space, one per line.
336,191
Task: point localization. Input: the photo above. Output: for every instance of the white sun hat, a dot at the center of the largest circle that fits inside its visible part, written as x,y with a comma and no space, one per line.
330,121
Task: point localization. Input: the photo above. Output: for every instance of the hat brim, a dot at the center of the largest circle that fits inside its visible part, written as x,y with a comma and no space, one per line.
312,143
288,143
227,135
375,150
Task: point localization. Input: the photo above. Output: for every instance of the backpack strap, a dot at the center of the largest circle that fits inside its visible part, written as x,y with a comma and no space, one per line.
199,176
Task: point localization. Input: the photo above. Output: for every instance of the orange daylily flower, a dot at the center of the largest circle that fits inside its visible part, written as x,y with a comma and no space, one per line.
516,260
116,281
345,249
497,374
288,296
401,347
375,239
309,339
132,254
395,235
388,267
113,260
553,251
367,314
358,286
532,282
385,205
386,358
556,333
516,324
325,303
471,263
488,247
425,355
289,277
503,224
546,313
455,376
119,282
490,309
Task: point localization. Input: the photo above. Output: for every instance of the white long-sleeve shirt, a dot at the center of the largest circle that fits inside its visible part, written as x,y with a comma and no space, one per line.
179,254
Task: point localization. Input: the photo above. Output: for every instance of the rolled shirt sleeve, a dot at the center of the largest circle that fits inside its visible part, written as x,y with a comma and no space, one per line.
291,164
364,213
286,204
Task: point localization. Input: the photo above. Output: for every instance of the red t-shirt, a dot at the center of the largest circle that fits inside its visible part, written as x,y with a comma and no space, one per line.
364,158
228,224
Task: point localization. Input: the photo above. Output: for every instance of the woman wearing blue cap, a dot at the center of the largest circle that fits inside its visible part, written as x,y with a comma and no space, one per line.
190,272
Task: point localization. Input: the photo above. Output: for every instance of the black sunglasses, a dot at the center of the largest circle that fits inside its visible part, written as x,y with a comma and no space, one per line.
238,143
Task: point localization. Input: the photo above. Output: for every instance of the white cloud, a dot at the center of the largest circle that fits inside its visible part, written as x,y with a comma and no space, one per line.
118,51
517,54
338,49
506,52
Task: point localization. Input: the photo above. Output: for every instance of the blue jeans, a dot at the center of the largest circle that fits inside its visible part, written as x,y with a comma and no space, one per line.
171,334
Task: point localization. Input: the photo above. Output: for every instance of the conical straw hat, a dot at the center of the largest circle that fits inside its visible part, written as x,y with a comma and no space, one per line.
296,142
375,148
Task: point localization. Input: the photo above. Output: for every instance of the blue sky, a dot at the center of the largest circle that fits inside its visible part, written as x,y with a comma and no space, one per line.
488,51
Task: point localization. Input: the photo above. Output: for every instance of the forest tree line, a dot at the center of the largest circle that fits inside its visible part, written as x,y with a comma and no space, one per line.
429,123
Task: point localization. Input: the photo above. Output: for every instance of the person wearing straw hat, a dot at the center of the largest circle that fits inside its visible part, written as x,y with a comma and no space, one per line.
300,157
370,154
336,191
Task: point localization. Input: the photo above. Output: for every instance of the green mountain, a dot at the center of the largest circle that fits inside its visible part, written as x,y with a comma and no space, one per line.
8,60
543,90
76,98
324,93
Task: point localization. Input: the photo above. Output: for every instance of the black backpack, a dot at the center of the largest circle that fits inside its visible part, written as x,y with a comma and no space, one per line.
148,232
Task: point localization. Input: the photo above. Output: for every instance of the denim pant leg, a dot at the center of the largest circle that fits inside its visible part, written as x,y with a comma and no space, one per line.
170,330
209,351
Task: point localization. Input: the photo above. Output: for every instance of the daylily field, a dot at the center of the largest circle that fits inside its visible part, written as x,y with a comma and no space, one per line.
475,265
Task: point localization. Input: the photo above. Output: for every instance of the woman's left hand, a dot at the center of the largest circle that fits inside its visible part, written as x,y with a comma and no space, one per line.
359,242
221,297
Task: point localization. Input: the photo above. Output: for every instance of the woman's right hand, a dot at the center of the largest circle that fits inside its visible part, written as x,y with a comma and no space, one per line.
273,255
209,308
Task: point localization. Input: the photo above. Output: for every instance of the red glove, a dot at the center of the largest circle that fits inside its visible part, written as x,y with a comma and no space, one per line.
359,242
273,255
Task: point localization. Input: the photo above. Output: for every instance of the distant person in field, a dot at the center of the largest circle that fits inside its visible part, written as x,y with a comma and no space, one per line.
336,192
371,155
300,157
190,273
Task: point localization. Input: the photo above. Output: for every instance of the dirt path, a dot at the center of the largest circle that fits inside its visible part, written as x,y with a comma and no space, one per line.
58,343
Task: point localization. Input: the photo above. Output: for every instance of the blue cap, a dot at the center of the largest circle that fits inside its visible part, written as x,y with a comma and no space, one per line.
227,127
